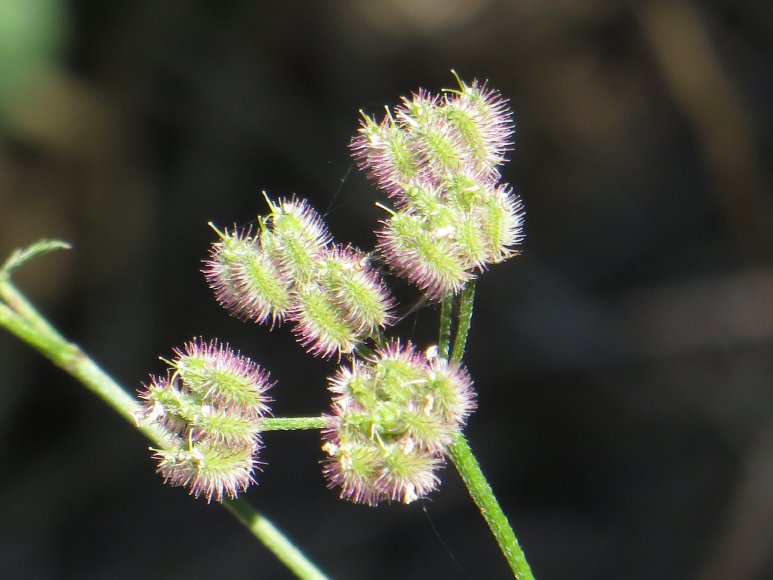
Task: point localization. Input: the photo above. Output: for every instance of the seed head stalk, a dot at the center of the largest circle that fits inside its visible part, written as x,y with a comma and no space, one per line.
461,454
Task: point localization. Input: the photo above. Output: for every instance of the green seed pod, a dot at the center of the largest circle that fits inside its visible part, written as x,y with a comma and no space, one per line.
246,280
297,235
361,297
427,257
210,469
394,415
210,405
320,326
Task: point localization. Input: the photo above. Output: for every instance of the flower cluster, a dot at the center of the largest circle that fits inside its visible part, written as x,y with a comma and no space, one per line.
396,412
437,158
393,417
290,269
209,404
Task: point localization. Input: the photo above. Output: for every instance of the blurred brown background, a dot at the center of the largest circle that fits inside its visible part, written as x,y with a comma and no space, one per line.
624,362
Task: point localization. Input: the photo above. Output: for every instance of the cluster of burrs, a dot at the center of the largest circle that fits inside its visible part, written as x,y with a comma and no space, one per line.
209,405
395,412
394,415
289,268
437,158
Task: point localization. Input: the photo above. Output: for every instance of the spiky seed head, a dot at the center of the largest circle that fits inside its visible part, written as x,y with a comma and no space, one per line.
418,110
353,384
472,243
222,377
354,469
292,270
209,405
386,153
484,118
398,372
449,391
408,473
467,189
454,218
245,279
424,427
320,326
357,290
295,217
164,404
224,426
371,475
502,218
225,256
423,198
208,469
439,145
297,235
427,257
264,292
393,416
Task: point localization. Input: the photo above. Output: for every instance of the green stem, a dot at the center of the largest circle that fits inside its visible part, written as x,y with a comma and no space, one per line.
21,306
262,528
20,318
464,320
483,496
74,361
444,337
292,423
467,465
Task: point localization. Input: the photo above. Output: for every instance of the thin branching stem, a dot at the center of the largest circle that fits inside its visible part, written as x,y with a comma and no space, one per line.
446,314
463,321
467,465
292,423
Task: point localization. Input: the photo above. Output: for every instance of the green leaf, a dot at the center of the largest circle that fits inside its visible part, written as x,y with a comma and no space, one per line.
21,256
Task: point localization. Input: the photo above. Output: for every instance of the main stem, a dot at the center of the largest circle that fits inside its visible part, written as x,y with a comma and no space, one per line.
464,459
262,528
23,320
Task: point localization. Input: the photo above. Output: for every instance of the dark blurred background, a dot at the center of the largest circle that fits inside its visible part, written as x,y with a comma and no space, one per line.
624,363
